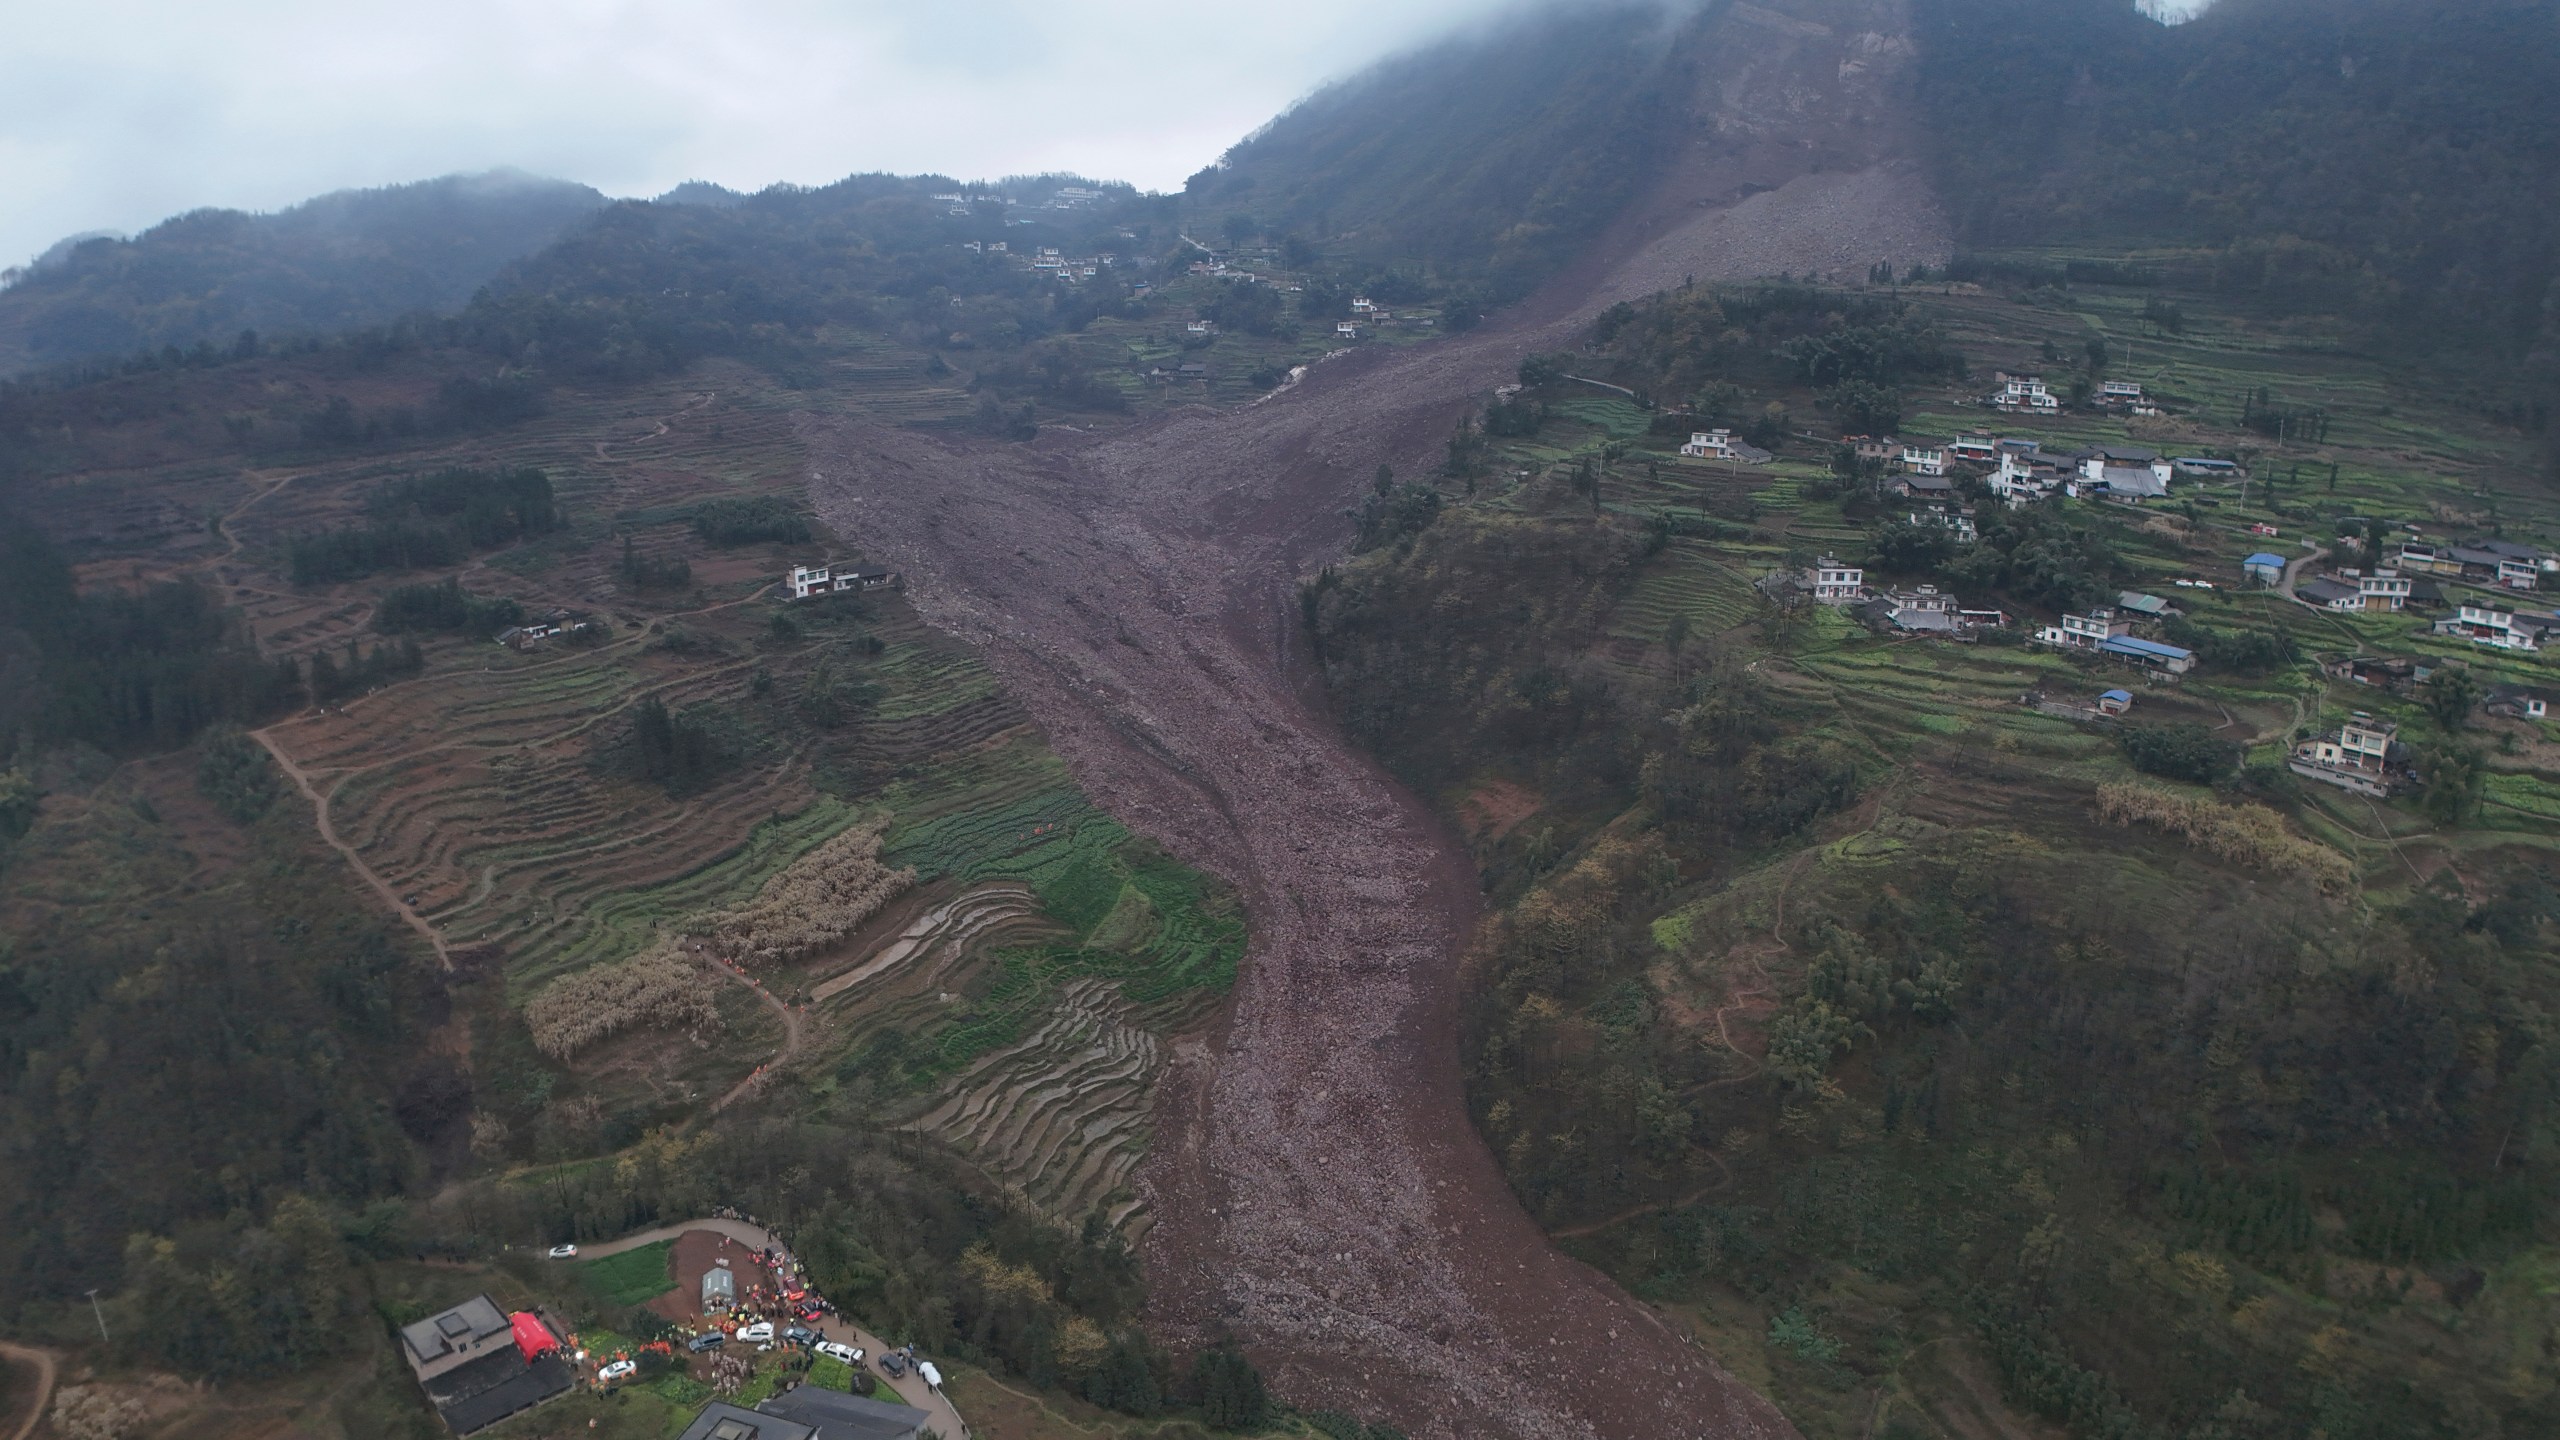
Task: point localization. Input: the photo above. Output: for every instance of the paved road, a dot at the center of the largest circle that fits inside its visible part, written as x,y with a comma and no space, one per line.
946,1419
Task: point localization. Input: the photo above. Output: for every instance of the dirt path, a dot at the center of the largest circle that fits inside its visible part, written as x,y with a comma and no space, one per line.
329,836
44,1364
791,1029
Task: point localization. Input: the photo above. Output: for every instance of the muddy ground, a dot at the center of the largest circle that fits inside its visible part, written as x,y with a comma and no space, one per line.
1319,1190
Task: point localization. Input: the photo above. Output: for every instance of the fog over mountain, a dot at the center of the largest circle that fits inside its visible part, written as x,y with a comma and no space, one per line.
120,114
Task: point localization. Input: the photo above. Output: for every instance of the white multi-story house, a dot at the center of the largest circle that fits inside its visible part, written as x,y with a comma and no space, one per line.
1924,459
2357,758
2024,393
2022,478
1838,584
2495,625
809,581
1719,444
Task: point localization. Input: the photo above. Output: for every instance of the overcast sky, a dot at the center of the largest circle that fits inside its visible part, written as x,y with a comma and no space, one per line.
115,114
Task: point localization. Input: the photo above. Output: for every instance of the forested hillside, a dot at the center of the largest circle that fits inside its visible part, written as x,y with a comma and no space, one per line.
358,257
2395,160
1434,161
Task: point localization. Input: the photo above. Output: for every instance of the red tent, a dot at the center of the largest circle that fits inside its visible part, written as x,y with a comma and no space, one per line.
532,1336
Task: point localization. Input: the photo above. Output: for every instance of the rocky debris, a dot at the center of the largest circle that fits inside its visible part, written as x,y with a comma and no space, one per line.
1318,1187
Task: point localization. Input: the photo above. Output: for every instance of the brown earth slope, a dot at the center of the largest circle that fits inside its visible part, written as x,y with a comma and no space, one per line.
1320,1191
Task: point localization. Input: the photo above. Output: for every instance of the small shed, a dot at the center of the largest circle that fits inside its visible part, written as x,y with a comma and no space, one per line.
2265,568
719,1288
2115,702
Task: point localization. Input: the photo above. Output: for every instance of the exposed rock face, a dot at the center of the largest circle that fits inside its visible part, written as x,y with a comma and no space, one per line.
1319,1191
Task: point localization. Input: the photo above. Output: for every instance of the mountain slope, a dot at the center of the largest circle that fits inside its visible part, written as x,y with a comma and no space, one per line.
353,258
1496,158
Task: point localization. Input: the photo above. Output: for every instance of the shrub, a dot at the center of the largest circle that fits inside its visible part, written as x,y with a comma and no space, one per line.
2177,752
236,775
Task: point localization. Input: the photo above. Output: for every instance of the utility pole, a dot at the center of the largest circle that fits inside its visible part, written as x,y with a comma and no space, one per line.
102,1318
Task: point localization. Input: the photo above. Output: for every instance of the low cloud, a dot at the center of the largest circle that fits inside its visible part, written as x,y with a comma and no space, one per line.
118,113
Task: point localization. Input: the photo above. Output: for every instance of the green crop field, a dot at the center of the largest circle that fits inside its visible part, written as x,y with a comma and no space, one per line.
633,1277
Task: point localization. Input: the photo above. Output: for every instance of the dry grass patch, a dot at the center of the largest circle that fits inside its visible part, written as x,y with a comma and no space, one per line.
662,989
2244,834
823,897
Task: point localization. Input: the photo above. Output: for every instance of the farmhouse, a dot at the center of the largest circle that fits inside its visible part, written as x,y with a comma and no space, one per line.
1719,444
2084,632
2326,593
2123,472
2487,624
2026,476
1974,449
810,581
1347,329
2379,589
2120,394
2024,393
1201,327
2502,563
808,1412
479,1365
2205,468
2148,654
1946,515
2516,702
1922,487
2265,567
2387,672
2149,607
1924,460
2356,758
1880,449
1837,584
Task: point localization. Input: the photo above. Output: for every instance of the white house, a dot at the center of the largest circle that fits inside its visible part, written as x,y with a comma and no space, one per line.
2023,477
2024,393
2357,758
1202,327
1838,584
2495,625
2120,392
1362,305
1974,449
1924,459
2125,472
1348,329
1719,444
2382,589
809,581
2084,632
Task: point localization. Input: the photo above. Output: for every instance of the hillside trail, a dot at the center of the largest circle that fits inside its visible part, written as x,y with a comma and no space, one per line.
791,1034
45,1368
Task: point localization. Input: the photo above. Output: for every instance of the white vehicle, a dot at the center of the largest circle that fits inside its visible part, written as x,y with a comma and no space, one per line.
759,1331
838,1350
563,1252
618,1370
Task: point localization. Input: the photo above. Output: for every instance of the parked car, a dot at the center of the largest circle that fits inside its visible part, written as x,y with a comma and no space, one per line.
891,1365
618,1370
838,1350
812,1310
760,1331
800,1335
563,1252
707,1340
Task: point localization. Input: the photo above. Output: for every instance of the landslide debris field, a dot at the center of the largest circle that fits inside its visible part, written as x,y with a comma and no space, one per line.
1319,1189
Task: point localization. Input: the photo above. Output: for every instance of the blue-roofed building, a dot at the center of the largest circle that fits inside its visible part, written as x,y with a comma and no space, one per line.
2265,567
2115,702
2149,654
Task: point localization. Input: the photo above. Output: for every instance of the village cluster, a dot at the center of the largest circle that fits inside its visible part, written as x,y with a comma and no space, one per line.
479,1364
